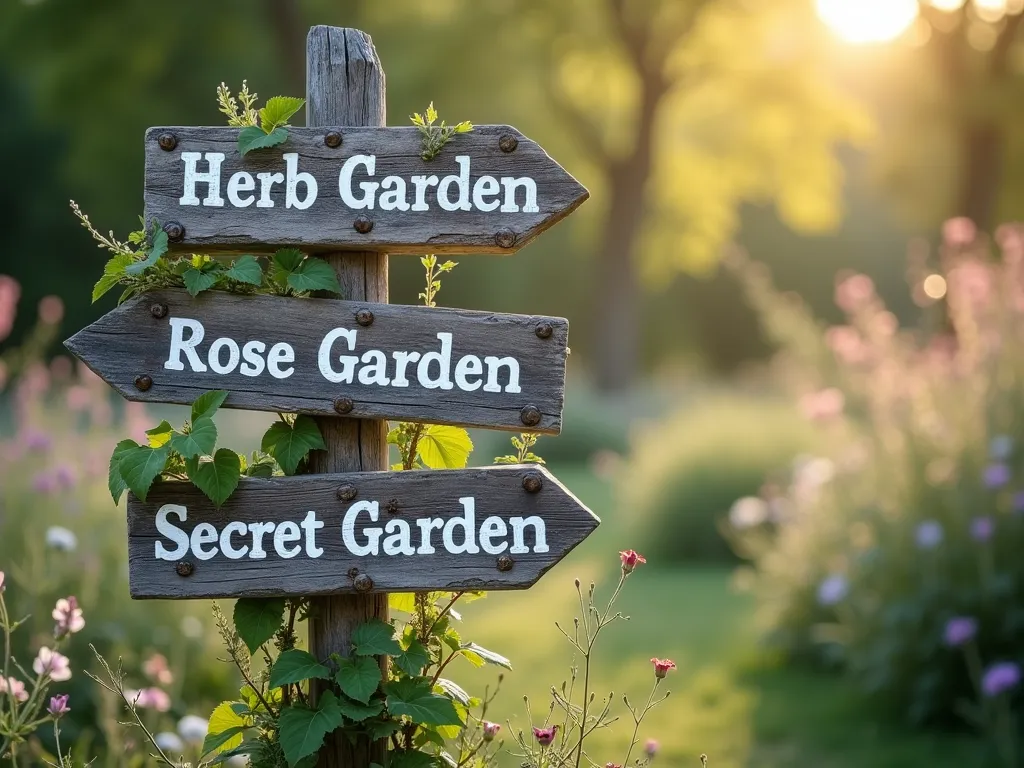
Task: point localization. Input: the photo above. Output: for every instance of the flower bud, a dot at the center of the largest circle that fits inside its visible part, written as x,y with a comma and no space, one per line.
490,730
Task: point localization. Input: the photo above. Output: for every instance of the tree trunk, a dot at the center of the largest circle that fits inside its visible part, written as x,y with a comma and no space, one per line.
618,312
983,154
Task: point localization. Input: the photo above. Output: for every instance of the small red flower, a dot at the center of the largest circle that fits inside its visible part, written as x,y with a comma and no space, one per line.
612,765
630,560
490,730
545,736
662,667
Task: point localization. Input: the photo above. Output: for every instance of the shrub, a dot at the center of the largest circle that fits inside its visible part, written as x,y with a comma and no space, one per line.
686,471
922,523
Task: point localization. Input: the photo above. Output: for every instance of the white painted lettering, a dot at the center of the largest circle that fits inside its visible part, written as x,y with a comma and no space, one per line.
169,530
292,180
211,178
180,344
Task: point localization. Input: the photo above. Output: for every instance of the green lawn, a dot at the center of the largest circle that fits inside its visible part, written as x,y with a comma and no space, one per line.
728,700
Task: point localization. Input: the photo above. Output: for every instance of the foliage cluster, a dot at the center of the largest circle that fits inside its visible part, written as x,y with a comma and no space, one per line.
688,468
911,523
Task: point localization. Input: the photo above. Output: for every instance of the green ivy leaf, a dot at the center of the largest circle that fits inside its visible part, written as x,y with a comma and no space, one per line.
413,659
199,441
158,249
417,700
294,666
444,447
246,269
260,465
254,138
314,275
208,403
284,262
412,758
358,677
198,280
115,482
140,467
488,656
113,270
374,638
382,729
301,730
357,712
160,434
225,728
289,443
278,110
217,478
257,619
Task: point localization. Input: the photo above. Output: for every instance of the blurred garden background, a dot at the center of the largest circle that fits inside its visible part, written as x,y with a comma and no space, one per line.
796,303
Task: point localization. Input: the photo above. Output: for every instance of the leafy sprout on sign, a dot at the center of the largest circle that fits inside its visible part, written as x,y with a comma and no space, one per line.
436,136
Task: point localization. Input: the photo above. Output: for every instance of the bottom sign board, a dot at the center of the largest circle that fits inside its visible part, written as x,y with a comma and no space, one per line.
466,529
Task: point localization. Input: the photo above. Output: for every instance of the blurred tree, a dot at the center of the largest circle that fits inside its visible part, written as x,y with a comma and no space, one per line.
949,100
684,109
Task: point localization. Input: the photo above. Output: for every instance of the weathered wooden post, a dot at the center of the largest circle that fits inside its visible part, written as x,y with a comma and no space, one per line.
345,189
345,87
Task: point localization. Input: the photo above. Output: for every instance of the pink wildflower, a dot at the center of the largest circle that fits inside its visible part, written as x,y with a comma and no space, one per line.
52,664
156,669
662,667
15,687
630,560
58,705
490,730
545,736
68,616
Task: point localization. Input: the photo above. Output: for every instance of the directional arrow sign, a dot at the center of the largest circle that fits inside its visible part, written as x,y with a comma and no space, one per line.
478,529
322,356
489,191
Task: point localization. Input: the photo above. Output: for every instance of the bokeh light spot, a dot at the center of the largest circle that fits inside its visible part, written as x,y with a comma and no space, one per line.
867,21
934,286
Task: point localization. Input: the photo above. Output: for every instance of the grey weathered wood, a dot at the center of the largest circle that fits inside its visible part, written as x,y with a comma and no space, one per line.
345,86
497,491
328,223
130,341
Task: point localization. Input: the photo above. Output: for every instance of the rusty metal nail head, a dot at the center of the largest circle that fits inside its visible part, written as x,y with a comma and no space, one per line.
505,563
344,405
533,482
353,572
347,492
184,568
158,311
363,583
530,415
175,231
508,143
544,330
333,139
143,382
364,317
167,141
363,224
392,507
505,238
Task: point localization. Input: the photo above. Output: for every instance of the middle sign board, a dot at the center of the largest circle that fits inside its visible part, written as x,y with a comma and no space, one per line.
326,356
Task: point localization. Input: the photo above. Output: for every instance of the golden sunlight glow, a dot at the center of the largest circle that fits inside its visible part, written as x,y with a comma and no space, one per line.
867,21
947,5
934,286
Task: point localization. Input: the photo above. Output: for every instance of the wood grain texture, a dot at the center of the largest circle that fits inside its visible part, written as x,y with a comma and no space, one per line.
496,490
130,341
345,86
327,224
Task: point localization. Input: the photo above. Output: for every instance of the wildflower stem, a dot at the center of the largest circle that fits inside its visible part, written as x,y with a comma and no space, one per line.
637,719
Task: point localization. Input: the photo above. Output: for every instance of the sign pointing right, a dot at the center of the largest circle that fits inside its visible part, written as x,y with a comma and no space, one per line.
466,529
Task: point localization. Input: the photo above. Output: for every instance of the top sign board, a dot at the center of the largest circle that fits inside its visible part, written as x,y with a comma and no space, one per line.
366,189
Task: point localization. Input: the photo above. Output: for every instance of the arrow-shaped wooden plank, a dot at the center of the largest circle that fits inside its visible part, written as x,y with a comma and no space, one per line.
489,191
323,356
476,529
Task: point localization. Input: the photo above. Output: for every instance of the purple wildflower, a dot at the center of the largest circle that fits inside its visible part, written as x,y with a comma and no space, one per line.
833,589
960,630
996,475
982,528
929,534
999,678
44,482
58,705
36,440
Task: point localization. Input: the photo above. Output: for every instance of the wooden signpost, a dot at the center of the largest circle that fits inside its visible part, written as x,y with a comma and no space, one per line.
331,188
463,529
327,357
347,189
